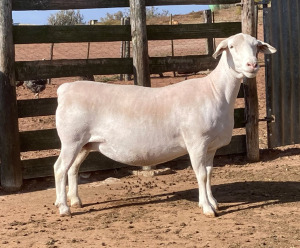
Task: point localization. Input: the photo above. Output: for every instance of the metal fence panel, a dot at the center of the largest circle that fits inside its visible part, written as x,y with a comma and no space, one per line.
282,30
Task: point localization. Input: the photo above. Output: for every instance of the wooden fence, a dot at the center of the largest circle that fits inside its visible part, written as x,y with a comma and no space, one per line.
13,170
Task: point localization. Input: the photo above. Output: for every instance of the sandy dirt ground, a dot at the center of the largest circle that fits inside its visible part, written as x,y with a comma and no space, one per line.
259,207
259,202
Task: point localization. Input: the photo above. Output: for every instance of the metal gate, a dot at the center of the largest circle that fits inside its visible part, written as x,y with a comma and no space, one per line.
282,30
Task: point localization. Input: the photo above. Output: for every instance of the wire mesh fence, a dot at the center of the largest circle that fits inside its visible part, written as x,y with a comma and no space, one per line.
30,52
161,48
177,47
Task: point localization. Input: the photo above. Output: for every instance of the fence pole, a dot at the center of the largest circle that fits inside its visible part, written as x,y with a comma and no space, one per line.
172,43
88,77
250,88
51,58
140,55
122,49
210,41
88,50
127,48
11,171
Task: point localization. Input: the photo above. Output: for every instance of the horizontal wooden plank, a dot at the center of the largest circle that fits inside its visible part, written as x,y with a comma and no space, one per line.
39,140
236,146
91,4
36,107
187,64
47,106
43,167
193,31
188,2
101,33
46,139
66,4
63,34
27,70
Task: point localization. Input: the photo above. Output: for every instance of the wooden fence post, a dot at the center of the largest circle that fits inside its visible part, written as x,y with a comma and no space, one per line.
210,41
172,43
127,48
250,88
122,49
140,55
11,171
51,58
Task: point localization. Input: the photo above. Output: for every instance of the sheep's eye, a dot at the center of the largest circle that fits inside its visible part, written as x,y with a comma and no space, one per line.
231,47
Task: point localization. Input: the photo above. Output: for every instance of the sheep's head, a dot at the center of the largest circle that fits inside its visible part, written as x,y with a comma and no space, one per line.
241,50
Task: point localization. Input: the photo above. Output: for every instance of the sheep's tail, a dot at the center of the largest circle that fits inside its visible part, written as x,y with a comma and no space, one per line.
61,90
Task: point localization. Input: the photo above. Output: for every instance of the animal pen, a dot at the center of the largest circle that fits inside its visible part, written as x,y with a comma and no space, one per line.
13,169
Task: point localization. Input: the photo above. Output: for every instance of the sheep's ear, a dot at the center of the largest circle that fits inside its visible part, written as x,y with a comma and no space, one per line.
265,48
221,47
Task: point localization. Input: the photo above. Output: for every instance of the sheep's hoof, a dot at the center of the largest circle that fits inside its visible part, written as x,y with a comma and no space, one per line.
76,204
64,211
215,206
209,212
57,204
211,215
65,214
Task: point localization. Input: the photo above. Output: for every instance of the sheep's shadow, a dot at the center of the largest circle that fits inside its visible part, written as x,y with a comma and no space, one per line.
233,197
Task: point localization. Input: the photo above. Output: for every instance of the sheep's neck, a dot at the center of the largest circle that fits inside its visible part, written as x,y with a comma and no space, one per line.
226,82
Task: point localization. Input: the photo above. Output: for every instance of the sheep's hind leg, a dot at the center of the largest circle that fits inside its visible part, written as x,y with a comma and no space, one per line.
73,179
61,167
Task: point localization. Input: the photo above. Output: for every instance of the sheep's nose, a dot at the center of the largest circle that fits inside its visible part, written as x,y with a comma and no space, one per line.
252,65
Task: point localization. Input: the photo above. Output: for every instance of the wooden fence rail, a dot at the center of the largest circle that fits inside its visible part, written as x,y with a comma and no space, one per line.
48,139
26,70
83,4
98,33
42,167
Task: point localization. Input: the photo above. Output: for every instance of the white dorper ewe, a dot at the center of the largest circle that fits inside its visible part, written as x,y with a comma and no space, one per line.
146,126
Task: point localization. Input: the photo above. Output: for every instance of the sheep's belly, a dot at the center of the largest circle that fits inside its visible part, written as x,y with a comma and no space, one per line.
142,153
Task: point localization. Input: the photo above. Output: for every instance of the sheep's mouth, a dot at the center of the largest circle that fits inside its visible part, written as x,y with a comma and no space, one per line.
250,74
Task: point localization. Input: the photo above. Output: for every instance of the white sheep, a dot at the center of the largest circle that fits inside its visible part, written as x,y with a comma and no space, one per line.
146,126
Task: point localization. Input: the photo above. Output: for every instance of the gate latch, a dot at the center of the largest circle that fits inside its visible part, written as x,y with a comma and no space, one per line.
268,118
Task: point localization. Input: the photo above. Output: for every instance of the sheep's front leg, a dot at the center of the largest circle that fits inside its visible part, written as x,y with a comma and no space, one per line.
73,179
198,159
209,169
